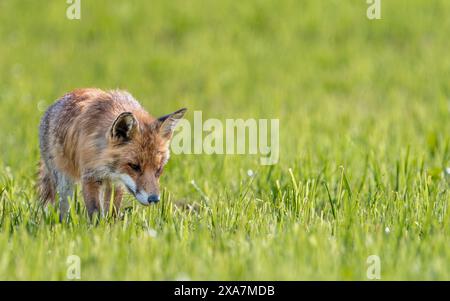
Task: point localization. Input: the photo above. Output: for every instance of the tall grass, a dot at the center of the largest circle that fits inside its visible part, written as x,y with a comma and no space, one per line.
364,123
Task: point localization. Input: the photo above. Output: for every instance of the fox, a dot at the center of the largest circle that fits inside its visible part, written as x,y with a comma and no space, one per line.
106,142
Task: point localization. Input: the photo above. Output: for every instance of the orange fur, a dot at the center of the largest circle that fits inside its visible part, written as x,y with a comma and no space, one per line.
98,138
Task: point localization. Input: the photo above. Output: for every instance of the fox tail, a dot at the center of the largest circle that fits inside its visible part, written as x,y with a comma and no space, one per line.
46,185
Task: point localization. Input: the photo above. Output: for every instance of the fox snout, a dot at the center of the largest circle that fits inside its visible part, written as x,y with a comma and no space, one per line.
146,199
140,194
143,197
153,198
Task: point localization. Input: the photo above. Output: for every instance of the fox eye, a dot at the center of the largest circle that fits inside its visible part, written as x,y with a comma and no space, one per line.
159,171
135,167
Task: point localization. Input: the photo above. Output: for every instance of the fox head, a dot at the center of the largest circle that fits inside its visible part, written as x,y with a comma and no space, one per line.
139,150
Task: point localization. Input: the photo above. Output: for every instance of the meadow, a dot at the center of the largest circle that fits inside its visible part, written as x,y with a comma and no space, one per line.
364,110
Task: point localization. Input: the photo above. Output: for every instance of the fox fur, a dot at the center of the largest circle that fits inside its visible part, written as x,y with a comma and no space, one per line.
105,141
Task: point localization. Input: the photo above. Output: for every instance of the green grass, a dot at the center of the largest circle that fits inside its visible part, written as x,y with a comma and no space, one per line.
364,115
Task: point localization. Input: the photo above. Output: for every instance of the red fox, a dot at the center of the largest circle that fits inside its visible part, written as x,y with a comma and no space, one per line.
100,139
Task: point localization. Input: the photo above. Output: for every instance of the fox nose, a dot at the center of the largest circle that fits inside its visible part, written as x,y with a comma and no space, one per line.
153,198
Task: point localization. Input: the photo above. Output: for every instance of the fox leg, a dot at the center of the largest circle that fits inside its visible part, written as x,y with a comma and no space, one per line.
106,198
91,194
116,200
64,187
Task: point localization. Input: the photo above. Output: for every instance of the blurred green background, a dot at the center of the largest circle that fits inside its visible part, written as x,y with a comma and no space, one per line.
364,109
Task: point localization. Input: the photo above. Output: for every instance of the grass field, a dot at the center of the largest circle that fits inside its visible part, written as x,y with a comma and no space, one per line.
364,110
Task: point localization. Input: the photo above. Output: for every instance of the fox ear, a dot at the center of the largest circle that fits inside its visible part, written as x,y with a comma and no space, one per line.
124,127
168,122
